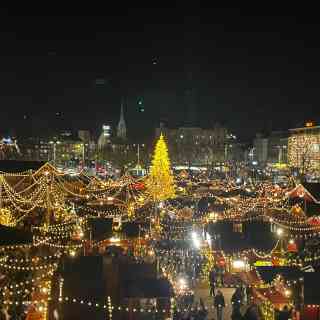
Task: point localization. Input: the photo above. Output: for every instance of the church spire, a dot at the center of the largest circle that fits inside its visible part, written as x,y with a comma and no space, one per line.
122,129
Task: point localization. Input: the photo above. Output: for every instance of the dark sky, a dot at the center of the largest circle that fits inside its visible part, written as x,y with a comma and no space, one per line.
251,71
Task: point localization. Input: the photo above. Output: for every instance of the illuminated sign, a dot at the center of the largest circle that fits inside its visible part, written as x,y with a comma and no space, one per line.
310,124
261,263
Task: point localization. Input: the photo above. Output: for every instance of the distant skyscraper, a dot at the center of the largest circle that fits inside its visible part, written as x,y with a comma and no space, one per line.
122,129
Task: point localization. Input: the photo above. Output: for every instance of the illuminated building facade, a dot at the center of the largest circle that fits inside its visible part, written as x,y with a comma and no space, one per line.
65,148
197,146
104,138
304,148
260,144
277,147
271,149
8,148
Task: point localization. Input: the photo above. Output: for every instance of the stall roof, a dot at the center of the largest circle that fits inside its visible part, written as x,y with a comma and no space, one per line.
15,166
308,191
275,297
268,274
148,288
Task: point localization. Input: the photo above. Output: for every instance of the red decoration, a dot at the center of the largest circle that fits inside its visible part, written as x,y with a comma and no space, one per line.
315,221
292,247
222,262
275,261
139,186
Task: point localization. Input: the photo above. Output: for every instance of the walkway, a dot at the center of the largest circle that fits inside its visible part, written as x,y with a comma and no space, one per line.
202,291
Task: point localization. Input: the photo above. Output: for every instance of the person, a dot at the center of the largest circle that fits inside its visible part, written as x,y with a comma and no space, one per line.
244,294
248,293
202,312
219,304
236,299
253,312
212,283
222,272
236,314
285,313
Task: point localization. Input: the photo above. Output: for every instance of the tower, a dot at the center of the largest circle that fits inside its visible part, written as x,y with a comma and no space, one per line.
122,129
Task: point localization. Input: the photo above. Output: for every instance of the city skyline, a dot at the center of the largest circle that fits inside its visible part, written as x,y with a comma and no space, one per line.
250,73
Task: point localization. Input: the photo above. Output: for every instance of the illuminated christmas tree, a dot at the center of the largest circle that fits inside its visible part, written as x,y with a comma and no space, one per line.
160,183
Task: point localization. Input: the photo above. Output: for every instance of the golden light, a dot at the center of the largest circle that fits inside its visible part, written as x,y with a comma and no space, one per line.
44,290
287,293
114,239
182,283
279,232
310,124
238,264
72,253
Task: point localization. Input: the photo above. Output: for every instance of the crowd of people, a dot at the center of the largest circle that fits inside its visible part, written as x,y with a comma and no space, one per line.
243,306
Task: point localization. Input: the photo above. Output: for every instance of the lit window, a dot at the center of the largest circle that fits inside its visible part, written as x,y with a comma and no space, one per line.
316,147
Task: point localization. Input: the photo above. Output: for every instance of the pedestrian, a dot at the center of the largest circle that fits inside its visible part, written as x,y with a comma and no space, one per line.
236,299
244,294
236,314
253,312
219,304
285,313
248,293
202,314
212,283
222,272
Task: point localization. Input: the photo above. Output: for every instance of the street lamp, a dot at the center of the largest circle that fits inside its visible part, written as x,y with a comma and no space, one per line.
279,232
54,143
83,153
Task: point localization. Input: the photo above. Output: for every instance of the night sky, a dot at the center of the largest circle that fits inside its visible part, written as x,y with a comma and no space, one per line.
251,72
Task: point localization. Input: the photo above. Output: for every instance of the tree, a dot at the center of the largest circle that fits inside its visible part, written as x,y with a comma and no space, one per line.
160,182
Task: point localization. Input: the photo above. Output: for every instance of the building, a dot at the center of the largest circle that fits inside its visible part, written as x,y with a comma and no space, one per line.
35,149
304,148
272,149
64,149
277,147
196,146
9,148
104,138
85,136
260,145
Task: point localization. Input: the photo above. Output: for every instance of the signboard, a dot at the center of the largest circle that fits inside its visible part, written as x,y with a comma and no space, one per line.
263,263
